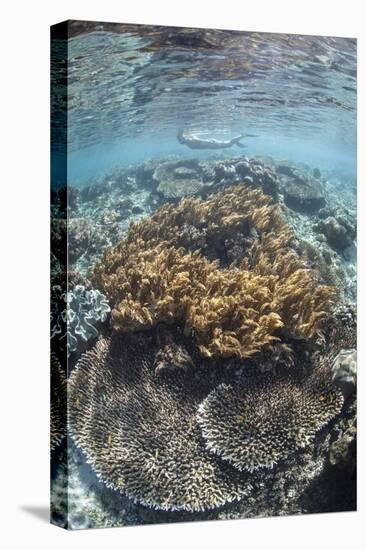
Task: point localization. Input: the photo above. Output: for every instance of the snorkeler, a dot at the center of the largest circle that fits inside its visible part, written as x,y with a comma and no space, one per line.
194,142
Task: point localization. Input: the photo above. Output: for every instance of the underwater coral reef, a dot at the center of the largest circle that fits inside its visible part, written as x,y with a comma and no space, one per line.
211,332
75,312
58,398
229,311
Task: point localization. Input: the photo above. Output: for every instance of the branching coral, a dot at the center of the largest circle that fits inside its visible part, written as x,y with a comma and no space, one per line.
153,277
171,355
263,421
139,431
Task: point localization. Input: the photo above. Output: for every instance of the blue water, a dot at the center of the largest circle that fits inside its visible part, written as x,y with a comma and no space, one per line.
130,91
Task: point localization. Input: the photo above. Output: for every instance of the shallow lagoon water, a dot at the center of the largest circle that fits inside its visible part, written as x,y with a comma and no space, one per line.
130,90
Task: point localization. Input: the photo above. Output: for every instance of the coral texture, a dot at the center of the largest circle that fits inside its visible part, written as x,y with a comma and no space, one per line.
171,355
250,171
339,232
237,208
173,441
139,431
58,402
70,238
344,370
303,195
157,274
263,421
179,178
75,314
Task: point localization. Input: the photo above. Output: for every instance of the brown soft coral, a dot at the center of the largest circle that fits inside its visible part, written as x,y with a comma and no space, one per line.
238,208
228,311
152,277
298,298
233,314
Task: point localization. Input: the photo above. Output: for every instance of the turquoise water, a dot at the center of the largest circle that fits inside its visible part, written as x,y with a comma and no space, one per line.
130,91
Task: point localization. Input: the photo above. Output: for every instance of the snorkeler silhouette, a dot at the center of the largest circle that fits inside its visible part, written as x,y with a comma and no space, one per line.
194,142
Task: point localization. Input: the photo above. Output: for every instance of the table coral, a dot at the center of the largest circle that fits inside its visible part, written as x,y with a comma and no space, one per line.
139,431
263,421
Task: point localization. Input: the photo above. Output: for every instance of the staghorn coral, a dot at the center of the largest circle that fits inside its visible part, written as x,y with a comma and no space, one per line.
58,402
139,431
230,311
265,420
75,314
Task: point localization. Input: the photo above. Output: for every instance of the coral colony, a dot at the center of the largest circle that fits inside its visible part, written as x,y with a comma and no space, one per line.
214,379
138,426
203,335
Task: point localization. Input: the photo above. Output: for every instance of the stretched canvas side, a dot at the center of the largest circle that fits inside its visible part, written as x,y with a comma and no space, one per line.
59,277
